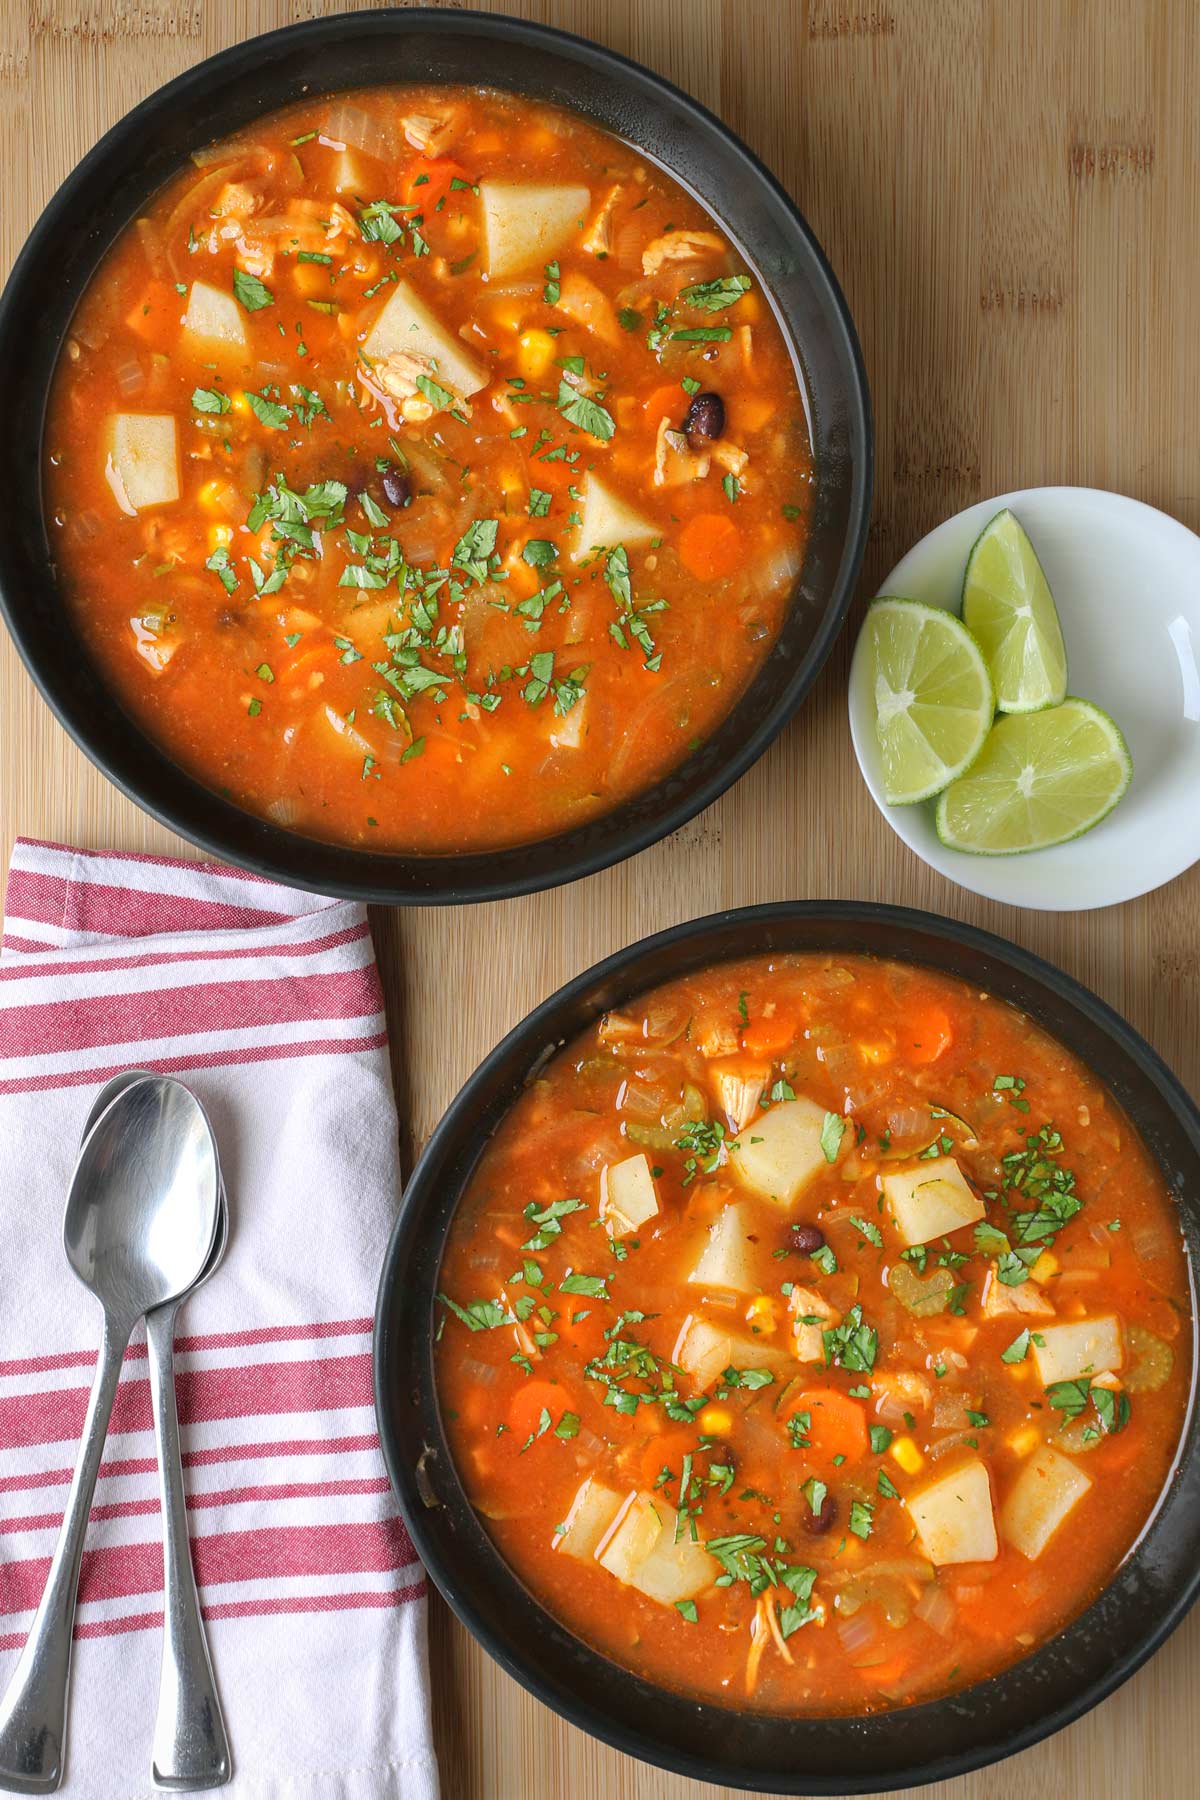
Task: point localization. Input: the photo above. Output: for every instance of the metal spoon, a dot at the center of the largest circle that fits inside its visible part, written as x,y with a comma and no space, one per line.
191,1748
140,1221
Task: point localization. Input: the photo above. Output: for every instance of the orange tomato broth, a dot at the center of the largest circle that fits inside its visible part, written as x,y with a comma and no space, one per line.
496,680
836,1603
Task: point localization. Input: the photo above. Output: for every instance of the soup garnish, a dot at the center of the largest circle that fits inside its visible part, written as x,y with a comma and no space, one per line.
427,470
815,1335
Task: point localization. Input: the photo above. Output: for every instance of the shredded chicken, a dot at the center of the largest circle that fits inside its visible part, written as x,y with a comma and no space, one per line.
525,1343
427,132
716,1039
399,374
674,461
740,1091
764,1630
584,302
1029,1298
679,246
598,238
805,1305
727,455
236,197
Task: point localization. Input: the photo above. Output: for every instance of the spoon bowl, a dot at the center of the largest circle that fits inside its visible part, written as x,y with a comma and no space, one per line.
117,1084
145,1199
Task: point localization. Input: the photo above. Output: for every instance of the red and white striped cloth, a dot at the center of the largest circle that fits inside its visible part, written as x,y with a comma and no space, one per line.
267,1003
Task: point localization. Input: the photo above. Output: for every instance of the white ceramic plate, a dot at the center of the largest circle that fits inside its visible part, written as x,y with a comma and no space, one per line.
1126,580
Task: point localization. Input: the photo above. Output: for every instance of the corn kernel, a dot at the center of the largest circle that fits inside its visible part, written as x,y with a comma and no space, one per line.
715,1421
210,494
238,403
1024,1441
761,1313
1045,1266
905,1452
535,354
220,536
876,1053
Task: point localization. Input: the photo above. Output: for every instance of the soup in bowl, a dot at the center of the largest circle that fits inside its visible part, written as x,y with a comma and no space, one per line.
809,1337
427,470
365,548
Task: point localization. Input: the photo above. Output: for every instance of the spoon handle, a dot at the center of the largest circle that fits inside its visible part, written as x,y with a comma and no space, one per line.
191,1749
33,1713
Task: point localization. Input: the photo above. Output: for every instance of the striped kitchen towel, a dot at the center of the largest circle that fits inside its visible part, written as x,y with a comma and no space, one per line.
267,1003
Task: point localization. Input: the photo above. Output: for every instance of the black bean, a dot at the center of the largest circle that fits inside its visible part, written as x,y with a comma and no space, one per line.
818,1523
807,1238
397,487
705,417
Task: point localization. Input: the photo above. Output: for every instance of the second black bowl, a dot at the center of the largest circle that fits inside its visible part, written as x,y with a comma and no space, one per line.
219,96
933,1741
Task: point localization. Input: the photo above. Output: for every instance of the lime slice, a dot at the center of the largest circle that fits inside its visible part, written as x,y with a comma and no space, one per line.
1041,778
933,697
1007,603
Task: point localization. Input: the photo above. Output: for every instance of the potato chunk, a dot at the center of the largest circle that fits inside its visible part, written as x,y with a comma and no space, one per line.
781,1153
1041,1497
406,323
954,1516
627,1195
641,1550
214,316
607,520
524,223
592,1511
728,1258
142,466
931,1200
704,1351
1083,1347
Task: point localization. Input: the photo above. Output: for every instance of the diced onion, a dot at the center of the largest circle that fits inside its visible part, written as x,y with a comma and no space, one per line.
858,1632
945,1445
909,1121
1148,1242
481,1373
936,1608
131,378
282,812
84,527
349,124
950,1411
227,152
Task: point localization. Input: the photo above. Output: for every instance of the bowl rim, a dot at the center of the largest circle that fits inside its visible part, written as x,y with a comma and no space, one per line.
539,1035
469,877
967,871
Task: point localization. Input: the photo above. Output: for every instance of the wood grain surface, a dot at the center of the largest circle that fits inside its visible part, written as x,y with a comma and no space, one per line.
1007,191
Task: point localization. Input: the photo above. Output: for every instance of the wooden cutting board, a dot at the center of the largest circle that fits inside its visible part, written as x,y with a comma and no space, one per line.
1007,190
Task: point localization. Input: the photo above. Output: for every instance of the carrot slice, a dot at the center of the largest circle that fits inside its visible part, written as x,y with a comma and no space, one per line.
531,1400
428,181
710,546
768,1035
667,402
666,1451
838,1425
159,303
932,1033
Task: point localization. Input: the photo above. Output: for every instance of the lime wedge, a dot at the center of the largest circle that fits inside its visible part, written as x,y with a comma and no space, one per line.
1007,604
1041,778
933,697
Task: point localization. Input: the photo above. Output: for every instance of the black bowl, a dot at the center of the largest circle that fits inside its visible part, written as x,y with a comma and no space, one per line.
151,143
933,1741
